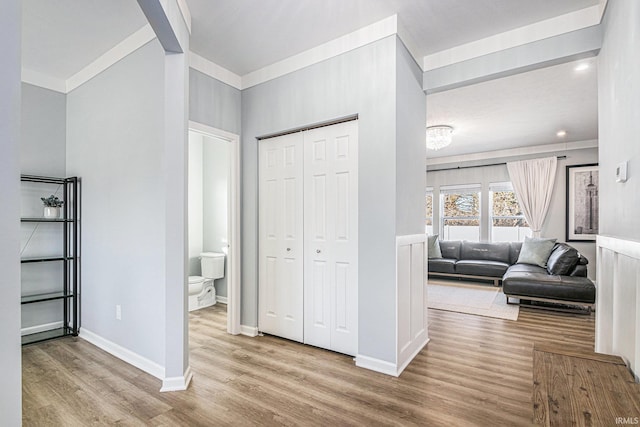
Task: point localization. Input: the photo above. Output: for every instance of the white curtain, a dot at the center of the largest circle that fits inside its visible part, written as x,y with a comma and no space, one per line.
533,184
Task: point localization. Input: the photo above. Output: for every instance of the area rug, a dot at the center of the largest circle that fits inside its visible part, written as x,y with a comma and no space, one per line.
481,300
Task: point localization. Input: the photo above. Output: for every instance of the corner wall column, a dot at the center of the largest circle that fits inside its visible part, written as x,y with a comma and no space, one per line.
169,22
10,356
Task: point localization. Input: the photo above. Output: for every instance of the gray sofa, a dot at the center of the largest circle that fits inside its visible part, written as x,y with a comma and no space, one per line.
564,280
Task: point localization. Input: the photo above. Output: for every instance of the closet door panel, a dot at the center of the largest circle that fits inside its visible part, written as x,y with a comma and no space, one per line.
344,336
331,237
281,274
318,268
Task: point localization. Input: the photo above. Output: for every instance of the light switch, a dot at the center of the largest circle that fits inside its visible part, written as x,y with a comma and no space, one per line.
621,172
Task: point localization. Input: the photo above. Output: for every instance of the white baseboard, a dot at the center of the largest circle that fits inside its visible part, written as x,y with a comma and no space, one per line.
40,328
177,383
385,367
414,354
124,354
377,365
250,331
221,300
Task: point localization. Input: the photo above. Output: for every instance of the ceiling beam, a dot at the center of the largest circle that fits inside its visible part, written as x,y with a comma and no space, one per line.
163,16
540,54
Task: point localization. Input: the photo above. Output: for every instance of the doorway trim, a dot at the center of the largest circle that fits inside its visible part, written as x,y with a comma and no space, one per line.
233,282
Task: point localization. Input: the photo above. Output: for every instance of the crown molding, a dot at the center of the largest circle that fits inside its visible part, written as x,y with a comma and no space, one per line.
186,13
214,70
603,6
354,40
409,43
126,47
512,152
43,80
558,25
333,48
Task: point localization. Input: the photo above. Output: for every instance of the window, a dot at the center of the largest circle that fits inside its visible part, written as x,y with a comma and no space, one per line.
507,220
428,222
460,213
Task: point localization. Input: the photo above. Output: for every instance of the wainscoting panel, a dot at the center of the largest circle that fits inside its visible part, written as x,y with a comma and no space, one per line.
411,294
618,299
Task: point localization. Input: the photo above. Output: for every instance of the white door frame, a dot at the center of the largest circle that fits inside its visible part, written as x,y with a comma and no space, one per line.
233,272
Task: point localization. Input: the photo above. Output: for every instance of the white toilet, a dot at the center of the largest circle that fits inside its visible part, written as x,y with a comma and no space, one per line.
202,293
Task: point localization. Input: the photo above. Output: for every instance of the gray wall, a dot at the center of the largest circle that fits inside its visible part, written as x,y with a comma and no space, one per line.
619,127
115,128
411,104
43,138
555,223
10,356
42,152
213,103
215,193
361,81
195,203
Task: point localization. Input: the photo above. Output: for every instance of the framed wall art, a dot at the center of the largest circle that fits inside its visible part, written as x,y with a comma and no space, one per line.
582,203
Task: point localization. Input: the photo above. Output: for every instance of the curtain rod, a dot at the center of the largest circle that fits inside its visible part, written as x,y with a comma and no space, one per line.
313,126
478,166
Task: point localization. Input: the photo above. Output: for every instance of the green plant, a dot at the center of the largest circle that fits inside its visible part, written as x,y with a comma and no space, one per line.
52,202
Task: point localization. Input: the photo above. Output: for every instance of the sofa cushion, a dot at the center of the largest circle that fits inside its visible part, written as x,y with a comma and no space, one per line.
442,265
485,251
582,260
481,268
514,251
527,268
579,289
536,251
433,247
579,270
562,259
542,285
450,249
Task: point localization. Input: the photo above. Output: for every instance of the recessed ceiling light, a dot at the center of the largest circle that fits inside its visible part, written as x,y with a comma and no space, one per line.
581,67
561,133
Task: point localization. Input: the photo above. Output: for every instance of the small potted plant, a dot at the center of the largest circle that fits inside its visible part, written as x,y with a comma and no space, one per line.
52,206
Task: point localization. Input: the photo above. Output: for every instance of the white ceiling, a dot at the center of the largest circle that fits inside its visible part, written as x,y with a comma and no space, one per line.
62,37
246,35
521,110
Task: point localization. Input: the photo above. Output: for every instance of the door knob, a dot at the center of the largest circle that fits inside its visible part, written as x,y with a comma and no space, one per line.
288,249
318,251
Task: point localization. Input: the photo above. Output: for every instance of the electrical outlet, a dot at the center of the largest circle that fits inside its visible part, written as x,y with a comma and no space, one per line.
118,312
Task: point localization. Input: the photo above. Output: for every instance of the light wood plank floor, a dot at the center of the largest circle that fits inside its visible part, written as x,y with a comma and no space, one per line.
475,371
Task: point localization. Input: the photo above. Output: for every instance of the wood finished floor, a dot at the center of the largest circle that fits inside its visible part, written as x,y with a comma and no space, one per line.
475,371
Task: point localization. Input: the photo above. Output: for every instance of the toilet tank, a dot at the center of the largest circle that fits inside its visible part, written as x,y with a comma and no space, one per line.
212,264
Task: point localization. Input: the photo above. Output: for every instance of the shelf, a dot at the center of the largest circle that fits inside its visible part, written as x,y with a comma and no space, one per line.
46,259
46,335
46,220
67,288
44,179
28,299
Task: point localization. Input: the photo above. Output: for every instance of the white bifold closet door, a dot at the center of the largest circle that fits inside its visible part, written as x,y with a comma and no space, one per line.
308,249
331,237
281,237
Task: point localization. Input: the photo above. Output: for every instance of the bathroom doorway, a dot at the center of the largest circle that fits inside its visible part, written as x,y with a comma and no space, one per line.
213,211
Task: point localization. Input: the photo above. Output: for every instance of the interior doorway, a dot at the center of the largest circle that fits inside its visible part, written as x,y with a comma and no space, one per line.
214,210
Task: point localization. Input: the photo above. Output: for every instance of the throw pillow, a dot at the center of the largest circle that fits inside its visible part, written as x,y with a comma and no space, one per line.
562,259
433,247
536,251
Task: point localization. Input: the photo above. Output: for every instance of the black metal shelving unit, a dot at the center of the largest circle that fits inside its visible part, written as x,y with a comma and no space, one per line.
69,289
